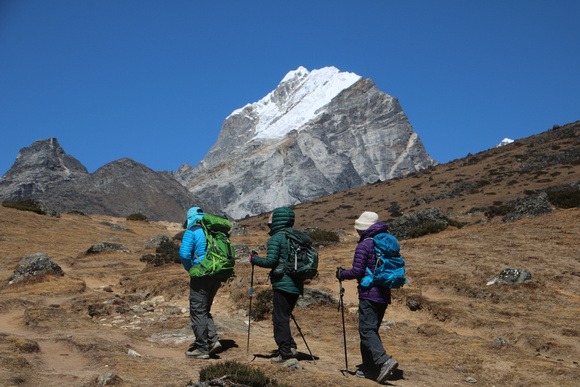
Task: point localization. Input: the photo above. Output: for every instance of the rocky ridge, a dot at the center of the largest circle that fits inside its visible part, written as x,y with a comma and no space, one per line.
46,173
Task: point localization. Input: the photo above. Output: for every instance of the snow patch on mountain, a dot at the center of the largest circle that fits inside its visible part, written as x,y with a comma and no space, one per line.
310,92
505,141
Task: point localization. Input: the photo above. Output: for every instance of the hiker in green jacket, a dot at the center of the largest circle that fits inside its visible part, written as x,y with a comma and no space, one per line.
286,290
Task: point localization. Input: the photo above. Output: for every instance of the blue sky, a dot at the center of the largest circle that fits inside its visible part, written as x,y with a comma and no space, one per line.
154,80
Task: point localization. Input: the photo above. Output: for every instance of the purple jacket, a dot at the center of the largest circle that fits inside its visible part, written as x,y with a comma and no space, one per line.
364,256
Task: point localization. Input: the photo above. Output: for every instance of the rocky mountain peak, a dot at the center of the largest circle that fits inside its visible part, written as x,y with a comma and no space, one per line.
317,133
37,168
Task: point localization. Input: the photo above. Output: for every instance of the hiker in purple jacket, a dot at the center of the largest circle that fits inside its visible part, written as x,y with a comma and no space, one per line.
373,301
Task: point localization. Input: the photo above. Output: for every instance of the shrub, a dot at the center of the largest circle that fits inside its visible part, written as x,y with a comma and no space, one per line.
321,236
166,252
76,212
137,217
499,210
455,223
568,197
427,228
25,205
262,307
395,210
237,374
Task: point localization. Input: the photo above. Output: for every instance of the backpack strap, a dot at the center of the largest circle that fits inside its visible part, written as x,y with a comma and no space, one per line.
367,269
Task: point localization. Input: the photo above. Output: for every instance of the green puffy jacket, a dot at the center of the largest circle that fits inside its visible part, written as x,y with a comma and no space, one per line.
282,218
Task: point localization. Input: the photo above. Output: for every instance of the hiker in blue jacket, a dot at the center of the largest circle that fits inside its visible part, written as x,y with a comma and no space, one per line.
373,301
202,290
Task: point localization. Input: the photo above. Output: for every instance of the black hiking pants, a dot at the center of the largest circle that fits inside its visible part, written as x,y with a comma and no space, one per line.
370,316
202,291
283,304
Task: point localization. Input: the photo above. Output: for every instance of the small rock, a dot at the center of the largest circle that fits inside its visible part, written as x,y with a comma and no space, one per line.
106,247
499,343
292,364
133,353
414,303
109,379
470,379
172,310
511,276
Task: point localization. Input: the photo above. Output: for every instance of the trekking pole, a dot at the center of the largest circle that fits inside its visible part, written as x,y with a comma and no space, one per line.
250,311
303,338
341,308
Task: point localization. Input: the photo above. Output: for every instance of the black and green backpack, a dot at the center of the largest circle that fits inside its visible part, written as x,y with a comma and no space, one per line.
302,260
220,256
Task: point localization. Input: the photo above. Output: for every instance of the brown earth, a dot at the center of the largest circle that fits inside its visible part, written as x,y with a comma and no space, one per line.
67,330
499,335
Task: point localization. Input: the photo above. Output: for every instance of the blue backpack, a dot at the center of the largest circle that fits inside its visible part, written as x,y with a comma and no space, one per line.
389,269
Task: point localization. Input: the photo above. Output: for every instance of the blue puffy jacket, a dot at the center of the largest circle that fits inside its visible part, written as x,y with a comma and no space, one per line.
193,243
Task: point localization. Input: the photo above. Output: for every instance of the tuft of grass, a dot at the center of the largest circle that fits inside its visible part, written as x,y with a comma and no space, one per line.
236,374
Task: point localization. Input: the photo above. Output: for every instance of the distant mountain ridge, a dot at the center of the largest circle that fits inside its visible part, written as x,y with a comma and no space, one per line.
123,187
317,133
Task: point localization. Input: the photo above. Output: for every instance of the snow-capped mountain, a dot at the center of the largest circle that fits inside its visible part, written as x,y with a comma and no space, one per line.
317,133
278,115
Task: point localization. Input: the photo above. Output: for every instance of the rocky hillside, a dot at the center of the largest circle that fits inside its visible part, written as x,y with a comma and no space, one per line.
317,133
488,185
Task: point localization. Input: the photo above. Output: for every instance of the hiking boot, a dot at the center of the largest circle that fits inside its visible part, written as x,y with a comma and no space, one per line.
360,374
196,354
387,369
294,351
215,348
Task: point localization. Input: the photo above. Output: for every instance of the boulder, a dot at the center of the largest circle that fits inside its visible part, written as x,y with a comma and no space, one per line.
35,264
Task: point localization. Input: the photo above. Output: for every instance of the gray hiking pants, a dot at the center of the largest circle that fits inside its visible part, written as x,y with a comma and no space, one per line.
283,305
202,291
370,316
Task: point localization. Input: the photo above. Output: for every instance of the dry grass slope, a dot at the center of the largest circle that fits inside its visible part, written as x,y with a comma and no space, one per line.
69,330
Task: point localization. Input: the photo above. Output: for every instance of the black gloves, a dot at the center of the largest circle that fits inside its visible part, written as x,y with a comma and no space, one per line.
338,271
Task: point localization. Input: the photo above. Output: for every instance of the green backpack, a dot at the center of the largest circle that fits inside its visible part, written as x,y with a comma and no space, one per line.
220,256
